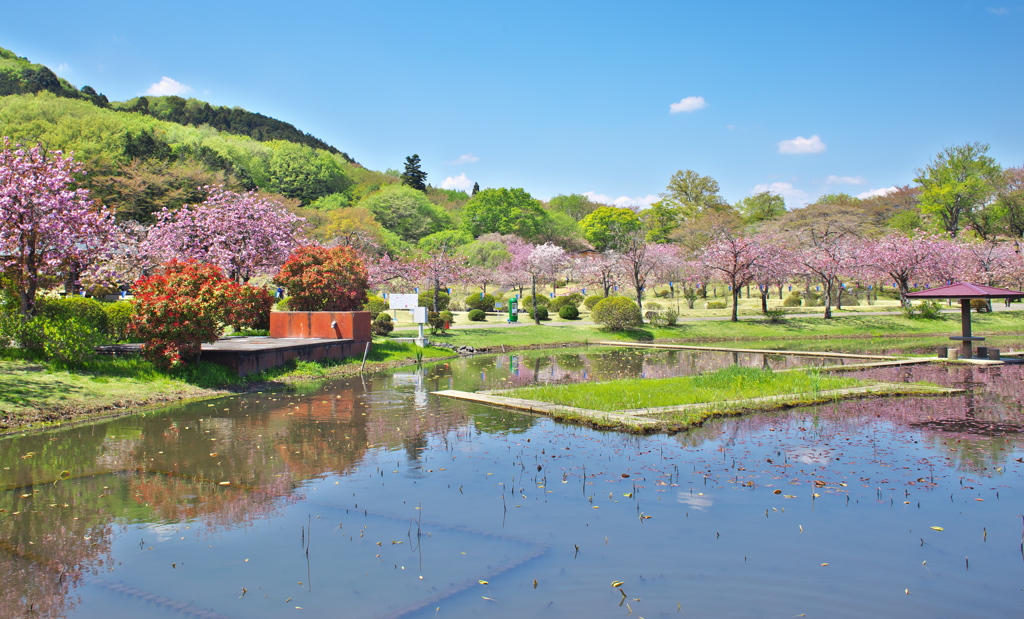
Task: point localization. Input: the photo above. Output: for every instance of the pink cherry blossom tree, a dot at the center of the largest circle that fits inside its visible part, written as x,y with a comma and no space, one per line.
905,260
601,270
736,259
828,252
542,262
47,227
513,273
641,263
244,234
775,266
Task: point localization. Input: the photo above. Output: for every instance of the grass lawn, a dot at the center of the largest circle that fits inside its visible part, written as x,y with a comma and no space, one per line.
732,383
750,329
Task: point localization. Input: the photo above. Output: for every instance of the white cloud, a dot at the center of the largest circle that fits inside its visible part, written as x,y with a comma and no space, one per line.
623,201
687,104
63,68
1002,10
876,192
463,159
844,180
167,86
459,183
802,146
792,195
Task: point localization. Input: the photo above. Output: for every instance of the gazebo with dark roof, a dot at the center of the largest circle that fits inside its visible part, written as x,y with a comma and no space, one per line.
965,292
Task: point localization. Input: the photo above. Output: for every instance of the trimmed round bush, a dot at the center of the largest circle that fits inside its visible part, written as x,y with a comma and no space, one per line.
569,312
653,305
542,313
474,301
592,300
617,313
382,324
448,318
375,305
558,303
716,305
527,301
979,305
89,312
477,315
426,299
792,300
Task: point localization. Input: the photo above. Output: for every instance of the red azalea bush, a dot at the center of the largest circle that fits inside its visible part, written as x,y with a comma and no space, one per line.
185,304
319,279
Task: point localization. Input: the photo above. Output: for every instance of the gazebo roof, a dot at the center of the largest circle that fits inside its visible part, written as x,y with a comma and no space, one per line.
966,291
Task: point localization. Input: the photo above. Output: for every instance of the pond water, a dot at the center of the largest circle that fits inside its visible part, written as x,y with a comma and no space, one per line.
372,498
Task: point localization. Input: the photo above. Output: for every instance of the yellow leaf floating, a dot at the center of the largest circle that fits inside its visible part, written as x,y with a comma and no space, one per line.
937,529
483,582
617,583
628,495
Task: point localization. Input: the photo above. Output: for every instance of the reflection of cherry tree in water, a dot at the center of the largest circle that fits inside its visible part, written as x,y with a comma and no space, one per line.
51,536
972,432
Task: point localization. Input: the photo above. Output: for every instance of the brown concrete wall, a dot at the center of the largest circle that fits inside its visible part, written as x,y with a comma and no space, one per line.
349,325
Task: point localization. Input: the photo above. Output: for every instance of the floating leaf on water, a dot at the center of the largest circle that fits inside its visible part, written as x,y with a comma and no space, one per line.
937,529
224,483
628,495
776,491
617,583
824,565
483,582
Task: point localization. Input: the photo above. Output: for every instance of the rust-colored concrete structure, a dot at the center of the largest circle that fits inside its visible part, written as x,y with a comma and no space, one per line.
321,325
255,354
310,336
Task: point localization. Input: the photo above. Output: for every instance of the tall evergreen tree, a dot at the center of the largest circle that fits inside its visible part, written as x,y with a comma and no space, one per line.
413,175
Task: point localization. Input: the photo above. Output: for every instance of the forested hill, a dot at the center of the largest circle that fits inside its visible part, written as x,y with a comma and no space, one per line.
20,76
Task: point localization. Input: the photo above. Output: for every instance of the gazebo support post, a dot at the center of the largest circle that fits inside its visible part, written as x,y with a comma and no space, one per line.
965,324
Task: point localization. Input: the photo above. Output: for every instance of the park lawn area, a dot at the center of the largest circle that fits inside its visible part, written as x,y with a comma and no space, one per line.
34,392
732,383
890,328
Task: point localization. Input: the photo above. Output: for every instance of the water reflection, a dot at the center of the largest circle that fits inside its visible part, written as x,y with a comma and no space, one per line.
376,497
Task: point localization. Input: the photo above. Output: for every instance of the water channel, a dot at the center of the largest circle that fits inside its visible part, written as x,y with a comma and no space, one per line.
372,498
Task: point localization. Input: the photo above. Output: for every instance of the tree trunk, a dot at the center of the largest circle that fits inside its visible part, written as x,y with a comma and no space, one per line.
533,298
827,298
764,300
735,303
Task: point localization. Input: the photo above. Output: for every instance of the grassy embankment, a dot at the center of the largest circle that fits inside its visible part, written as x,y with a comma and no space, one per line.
34,393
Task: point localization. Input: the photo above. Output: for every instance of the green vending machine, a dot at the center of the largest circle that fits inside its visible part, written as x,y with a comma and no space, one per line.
513,309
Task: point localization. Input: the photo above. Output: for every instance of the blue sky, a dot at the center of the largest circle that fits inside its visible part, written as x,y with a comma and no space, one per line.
609,98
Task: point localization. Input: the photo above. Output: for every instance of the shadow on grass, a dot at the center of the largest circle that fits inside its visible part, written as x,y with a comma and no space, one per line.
632,335
23,389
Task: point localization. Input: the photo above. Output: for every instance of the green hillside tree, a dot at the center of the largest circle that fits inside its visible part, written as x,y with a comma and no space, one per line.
608,226
406,212
505,211
414,176
956,184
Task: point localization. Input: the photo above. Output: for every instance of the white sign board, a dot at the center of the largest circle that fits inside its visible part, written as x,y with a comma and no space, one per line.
403,301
